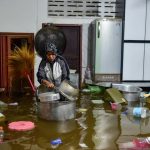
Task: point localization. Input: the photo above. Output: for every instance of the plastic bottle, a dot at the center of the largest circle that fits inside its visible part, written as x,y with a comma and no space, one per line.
142,142
1,134
55,143
142,112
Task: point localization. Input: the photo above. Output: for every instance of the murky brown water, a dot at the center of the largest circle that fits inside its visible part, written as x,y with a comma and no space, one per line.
97,128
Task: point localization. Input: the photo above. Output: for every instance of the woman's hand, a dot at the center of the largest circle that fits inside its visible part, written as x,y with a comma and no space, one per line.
48,84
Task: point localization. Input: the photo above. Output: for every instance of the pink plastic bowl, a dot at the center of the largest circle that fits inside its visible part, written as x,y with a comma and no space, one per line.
21,125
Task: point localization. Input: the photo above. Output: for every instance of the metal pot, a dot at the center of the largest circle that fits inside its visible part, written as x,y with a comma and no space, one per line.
57,110
130,92
49,96
68,90
44,94
50,107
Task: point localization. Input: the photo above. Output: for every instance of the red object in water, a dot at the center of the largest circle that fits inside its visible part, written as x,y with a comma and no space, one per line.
141,143
115,106
21,125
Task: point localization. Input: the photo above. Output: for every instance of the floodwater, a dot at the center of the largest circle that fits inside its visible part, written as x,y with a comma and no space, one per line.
95,127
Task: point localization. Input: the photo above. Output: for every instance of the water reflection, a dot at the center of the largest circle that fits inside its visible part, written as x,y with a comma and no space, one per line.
106,129
82,123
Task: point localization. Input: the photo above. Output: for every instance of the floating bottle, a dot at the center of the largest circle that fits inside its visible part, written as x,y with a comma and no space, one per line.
1,134
142,112
55,143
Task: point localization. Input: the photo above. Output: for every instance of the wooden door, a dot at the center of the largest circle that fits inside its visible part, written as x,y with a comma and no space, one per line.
9,41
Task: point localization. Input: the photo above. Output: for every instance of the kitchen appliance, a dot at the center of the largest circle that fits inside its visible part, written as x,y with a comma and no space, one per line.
105,52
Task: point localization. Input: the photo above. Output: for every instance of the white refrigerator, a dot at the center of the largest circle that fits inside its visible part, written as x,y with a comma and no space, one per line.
105,52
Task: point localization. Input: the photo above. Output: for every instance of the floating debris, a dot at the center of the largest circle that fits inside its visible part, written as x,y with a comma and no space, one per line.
83,145
82,110
55,143
13,104
86,90
97,101
116,106
21,125
2,117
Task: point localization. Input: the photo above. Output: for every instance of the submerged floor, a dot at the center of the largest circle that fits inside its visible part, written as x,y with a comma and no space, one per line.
96,126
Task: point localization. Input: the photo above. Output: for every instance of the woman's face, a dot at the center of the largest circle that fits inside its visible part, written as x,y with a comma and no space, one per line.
51,56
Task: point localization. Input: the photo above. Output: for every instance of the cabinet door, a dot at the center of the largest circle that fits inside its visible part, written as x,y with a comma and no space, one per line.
135,13
147,62
133,61
148,21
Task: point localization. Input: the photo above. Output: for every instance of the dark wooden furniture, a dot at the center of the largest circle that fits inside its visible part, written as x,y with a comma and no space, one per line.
8,41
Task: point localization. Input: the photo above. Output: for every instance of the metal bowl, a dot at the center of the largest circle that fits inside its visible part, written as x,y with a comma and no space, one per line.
44,94
68,90
130,92
49,96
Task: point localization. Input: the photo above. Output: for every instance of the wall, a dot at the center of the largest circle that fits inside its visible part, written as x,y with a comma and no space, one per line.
18,16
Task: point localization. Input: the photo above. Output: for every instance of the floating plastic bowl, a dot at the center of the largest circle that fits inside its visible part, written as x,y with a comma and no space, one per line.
21,125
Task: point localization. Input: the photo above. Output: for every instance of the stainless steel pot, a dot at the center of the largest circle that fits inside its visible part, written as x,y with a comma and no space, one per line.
45,95
68,90
57,110
49,96
130,92
51,107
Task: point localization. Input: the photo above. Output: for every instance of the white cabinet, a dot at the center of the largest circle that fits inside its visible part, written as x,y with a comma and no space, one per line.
147,62
133,61
135,13
148,21
136,45
136,62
